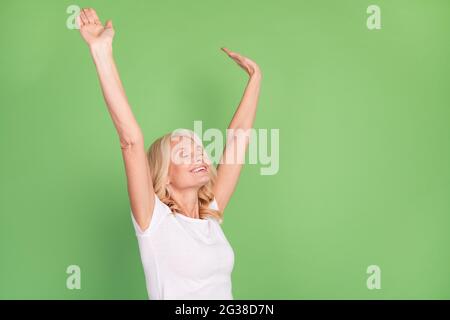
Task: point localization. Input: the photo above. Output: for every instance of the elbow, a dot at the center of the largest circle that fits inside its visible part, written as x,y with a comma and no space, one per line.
130,140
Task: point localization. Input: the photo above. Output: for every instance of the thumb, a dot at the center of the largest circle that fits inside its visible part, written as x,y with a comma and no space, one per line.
109,24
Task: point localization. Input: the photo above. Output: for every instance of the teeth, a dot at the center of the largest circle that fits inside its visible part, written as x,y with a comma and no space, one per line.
199,169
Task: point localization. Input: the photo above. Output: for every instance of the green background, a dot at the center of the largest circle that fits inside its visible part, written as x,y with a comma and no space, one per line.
364,143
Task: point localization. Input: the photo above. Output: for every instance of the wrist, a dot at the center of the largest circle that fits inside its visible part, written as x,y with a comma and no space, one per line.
256,75
100,48
101,54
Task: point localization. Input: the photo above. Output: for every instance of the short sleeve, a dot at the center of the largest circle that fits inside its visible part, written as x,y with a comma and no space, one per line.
160,211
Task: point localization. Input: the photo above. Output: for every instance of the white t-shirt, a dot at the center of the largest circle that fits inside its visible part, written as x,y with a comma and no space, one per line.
184,257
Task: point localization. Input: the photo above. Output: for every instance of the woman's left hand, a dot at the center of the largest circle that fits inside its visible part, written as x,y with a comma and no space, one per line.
245,63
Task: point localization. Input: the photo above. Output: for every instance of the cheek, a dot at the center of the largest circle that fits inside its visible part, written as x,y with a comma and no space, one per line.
179,172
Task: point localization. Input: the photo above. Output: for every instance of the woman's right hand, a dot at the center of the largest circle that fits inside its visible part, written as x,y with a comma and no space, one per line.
92,30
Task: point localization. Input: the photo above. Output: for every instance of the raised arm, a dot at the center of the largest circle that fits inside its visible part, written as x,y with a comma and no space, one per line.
139,184
239,129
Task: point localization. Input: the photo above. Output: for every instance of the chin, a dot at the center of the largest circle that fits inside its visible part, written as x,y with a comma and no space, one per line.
202,181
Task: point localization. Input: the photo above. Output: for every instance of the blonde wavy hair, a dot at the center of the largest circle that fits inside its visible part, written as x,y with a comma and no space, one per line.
159,157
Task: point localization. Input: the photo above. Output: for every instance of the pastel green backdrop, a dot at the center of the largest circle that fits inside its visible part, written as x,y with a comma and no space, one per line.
364,143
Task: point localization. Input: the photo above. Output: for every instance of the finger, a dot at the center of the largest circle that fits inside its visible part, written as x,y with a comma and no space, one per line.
83,17
79,21
227,51
234,55
95,17
238,59
88,13
109,24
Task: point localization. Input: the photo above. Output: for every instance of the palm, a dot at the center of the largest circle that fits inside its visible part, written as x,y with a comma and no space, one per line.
245,63
92,30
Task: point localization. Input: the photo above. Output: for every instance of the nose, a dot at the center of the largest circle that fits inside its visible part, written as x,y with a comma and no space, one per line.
198,157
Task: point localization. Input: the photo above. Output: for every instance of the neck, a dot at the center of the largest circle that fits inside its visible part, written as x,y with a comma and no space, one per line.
188,202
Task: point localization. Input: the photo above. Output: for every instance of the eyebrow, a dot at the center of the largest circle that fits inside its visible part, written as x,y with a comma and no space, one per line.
184,149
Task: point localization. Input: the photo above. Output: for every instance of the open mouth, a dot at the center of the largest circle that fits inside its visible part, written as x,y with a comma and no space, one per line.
199,169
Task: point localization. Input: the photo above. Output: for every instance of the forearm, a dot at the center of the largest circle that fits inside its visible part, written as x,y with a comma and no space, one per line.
246,111
114,95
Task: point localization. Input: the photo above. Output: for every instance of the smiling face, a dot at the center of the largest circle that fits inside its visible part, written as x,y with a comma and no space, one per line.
189,164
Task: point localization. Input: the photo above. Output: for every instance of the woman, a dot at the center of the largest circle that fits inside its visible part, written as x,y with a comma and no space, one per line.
177,196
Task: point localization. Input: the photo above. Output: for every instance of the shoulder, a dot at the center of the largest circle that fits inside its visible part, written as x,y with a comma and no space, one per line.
160,211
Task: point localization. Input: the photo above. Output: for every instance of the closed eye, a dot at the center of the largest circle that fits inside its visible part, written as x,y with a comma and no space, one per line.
183,154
